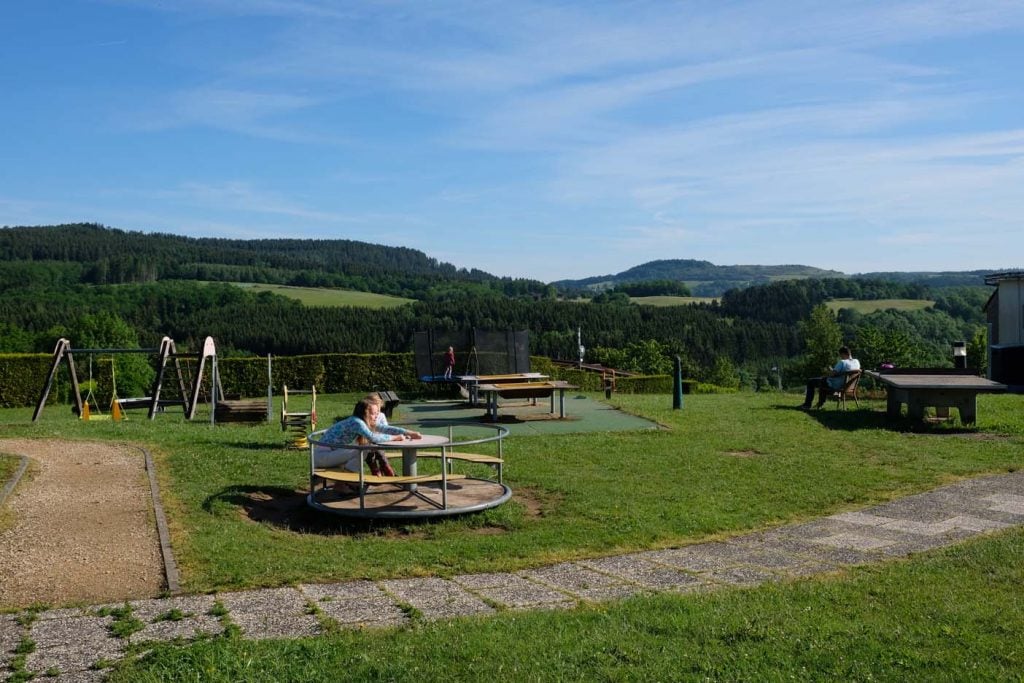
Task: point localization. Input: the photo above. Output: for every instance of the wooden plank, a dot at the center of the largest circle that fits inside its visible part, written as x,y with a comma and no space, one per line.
353,477
467,457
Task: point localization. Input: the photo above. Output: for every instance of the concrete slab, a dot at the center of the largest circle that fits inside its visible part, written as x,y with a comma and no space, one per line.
11,633
514,592
75,644
638,569
87,676
436,598
850,541
743,576
72,612
184,629
356,604
271,613
780,540
1005,502
190,606
571,577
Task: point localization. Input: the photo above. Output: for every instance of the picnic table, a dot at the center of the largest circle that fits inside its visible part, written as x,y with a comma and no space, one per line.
532,390
939,389
473,382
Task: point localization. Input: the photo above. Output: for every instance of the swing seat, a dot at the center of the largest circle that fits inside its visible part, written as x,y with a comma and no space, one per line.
133,403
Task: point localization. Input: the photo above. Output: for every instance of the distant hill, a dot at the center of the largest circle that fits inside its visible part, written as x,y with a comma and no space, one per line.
88,253
703,277
169,255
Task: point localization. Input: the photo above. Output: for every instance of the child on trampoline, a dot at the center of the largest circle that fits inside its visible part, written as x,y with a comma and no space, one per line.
362,427
449,362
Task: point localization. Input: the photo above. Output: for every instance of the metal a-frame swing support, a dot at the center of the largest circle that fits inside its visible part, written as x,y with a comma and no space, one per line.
166,352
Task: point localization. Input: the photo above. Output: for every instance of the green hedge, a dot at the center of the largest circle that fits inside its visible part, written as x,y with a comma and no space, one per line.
22,376
331,373
644,384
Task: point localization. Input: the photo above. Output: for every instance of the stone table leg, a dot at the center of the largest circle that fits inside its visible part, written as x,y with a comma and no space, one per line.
968,407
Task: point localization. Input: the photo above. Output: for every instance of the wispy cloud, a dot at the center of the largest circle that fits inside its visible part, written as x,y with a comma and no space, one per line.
246,112
653,127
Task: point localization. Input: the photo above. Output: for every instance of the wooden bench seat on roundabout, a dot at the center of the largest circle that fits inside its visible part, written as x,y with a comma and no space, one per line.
467,457
476,458
354,477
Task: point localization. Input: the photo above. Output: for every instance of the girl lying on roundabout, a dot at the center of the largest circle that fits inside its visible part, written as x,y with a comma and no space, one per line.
360,428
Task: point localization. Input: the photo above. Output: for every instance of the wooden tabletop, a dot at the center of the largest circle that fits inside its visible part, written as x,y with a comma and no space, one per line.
527,385
511,377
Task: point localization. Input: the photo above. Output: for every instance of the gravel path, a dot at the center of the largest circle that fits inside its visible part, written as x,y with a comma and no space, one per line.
83,529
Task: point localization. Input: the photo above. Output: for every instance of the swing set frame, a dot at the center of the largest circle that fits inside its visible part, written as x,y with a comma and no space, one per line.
164,354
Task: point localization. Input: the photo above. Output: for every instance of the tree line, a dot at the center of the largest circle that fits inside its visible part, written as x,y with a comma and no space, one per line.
61,282
93,254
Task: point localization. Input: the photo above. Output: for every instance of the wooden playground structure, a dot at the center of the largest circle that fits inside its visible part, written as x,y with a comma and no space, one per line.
298,423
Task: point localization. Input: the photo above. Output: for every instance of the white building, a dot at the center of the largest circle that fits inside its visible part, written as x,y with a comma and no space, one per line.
1005,313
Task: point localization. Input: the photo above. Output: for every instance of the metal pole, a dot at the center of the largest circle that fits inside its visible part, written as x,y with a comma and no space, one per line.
270,390
677,384
214,381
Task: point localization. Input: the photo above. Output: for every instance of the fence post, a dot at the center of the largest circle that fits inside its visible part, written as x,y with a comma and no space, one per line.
677,384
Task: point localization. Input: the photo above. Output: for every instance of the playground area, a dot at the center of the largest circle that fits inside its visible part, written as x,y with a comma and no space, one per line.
629,476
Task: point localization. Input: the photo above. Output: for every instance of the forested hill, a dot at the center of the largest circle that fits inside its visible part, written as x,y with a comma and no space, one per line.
704,278
946,278
95,254
707,279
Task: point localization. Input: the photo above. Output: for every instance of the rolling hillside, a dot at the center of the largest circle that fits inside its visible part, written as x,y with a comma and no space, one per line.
705,279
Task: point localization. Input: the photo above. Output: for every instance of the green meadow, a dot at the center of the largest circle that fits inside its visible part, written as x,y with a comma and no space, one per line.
671,300
872,305
320,296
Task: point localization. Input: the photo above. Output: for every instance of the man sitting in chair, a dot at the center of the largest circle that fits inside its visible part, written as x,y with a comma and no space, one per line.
834,381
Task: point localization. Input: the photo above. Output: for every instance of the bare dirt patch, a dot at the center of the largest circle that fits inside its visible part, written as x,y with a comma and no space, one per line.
81,526
743,454
286,509
532,502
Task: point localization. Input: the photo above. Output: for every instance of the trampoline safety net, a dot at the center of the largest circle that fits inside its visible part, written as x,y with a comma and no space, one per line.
477,352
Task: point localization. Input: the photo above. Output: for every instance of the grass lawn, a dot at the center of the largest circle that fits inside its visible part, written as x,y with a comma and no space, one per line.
950,615
7,467
872,305
320,296
726,464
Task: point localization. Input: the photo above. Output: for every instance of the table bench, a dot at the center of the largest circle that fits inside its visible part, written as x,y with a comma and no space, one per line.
532,390
391,401
331,474
938,389
473,382
476,458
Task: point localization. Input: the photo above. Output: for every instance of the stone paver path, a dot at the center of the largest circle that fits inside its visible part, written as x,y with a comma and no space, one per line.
75,643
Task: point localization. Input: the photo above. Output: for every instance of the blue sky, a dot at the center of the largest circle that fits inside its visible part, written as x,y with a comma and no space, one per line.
547,140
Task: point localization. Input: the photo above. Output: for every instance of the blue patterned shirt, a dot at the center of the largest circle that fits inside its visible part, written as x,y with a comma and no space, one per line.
345,432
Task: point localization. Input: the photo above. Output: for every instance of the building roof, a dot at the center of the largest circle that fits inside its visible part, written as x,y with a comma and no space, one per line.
995,278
